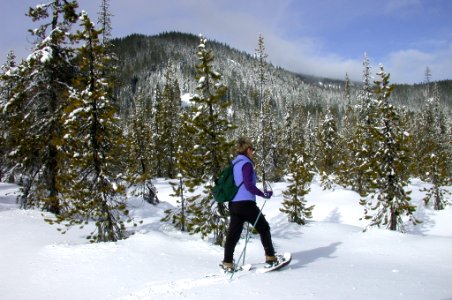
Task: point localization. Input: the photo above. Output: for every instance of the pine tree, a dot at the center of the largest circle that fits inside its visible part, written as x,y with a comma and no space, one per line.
347,144
105,21
8,82
140,166
267,157
414,122
20,158
391,199
427,75
93,188
327,152
286,137
348,122
157,129
110,71
207,126
435,153
40,98
309,135
363,145
300,177
167,124
177,215
265,117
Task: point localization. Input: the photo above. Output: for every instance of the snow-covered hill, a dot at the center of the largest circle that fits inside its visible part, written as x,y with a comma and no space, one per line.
332,257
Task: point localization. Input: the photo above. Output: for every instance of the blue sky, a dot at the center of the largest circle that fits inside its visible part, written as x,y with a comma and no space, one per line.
319,37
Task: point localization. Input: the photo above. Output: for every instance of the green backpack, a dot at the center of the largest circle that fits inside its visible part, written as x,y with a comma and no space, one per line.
225,188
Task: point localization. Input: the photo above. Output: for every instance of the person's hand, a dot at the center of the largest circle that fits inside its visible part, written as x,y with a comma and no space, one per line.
268,191
268,194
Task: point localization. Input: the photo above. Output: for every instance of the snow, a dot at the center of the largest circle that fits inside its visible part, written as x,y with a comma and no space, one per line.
43,55
332,257
202,80
186,100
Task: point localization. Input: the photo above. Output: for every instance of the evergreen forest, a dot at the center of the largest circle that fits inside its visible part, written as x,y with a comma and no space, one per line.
87,119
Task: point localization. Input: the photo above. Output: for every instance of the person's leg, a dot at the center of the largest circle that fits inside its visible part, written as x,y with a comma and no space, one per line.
263,228
233,236
251,213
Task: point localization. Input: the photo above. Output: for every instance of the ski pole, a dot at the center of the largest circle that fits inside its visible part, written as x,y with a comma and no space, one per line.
247,238
267,188
244,253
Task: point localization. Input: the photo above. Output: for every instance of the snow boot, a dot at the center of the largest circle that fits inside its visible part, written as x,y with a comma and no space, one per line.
227,267
271,260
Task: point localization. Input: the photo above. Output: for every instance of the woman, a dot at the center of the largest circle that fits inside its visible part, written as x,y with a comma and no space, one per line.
243,206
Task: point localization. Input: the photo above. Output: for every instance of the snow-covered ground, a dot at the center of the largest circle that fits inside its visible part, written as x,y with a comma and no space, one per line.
332,257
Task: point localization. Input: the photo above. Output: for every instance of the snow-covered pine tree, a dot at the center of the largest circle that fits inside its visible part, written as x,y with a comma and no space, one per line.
265,117
40,97
104,21
173,93
177,215
309,135
327,152
140,161
207,126
427,76
347,145
21,158
286,137
157,131
300,172
363,145
390,201
404,123
346,133
8,82
93,182
8,79
413,120
167,123
268,134
110,71
435,152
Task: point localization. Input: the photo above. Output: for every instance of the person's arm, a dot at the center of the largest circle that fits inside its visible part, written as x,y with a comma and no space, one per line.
248,180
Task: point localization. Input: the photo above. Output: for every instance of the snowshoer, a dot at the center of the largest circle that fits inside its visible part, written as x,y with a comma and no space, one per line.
243,207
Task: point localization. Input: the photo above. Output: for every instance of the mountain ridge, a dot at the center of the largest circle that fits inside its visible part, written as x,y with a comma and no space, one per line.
144,59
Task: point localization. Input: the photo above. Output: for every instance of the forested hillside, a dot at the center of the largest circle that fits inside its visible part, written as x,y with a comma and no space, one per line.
143,60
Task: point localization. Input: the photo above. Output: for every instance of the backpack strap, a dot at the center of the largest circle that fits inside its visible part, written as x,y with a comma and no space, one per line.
233,165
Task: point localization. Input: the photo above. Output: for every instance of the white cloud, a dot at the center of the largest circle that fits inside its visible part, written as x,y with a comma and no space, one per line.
306,56
409,65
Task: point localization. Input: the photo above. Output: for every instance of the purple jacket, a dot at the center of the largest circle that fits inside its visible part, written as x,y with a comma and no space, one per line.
244,172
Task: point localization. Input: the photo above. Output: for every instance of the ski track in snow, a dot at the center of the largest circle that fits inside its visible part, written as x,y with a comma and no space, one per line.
174,288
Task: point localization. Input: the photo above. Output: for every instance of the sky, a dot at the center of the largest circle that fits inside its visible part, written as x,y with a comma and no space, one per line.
326,38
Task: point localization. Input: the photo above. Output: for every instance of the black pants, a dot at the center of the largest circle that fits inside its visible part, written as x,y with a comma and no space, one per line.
241,212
